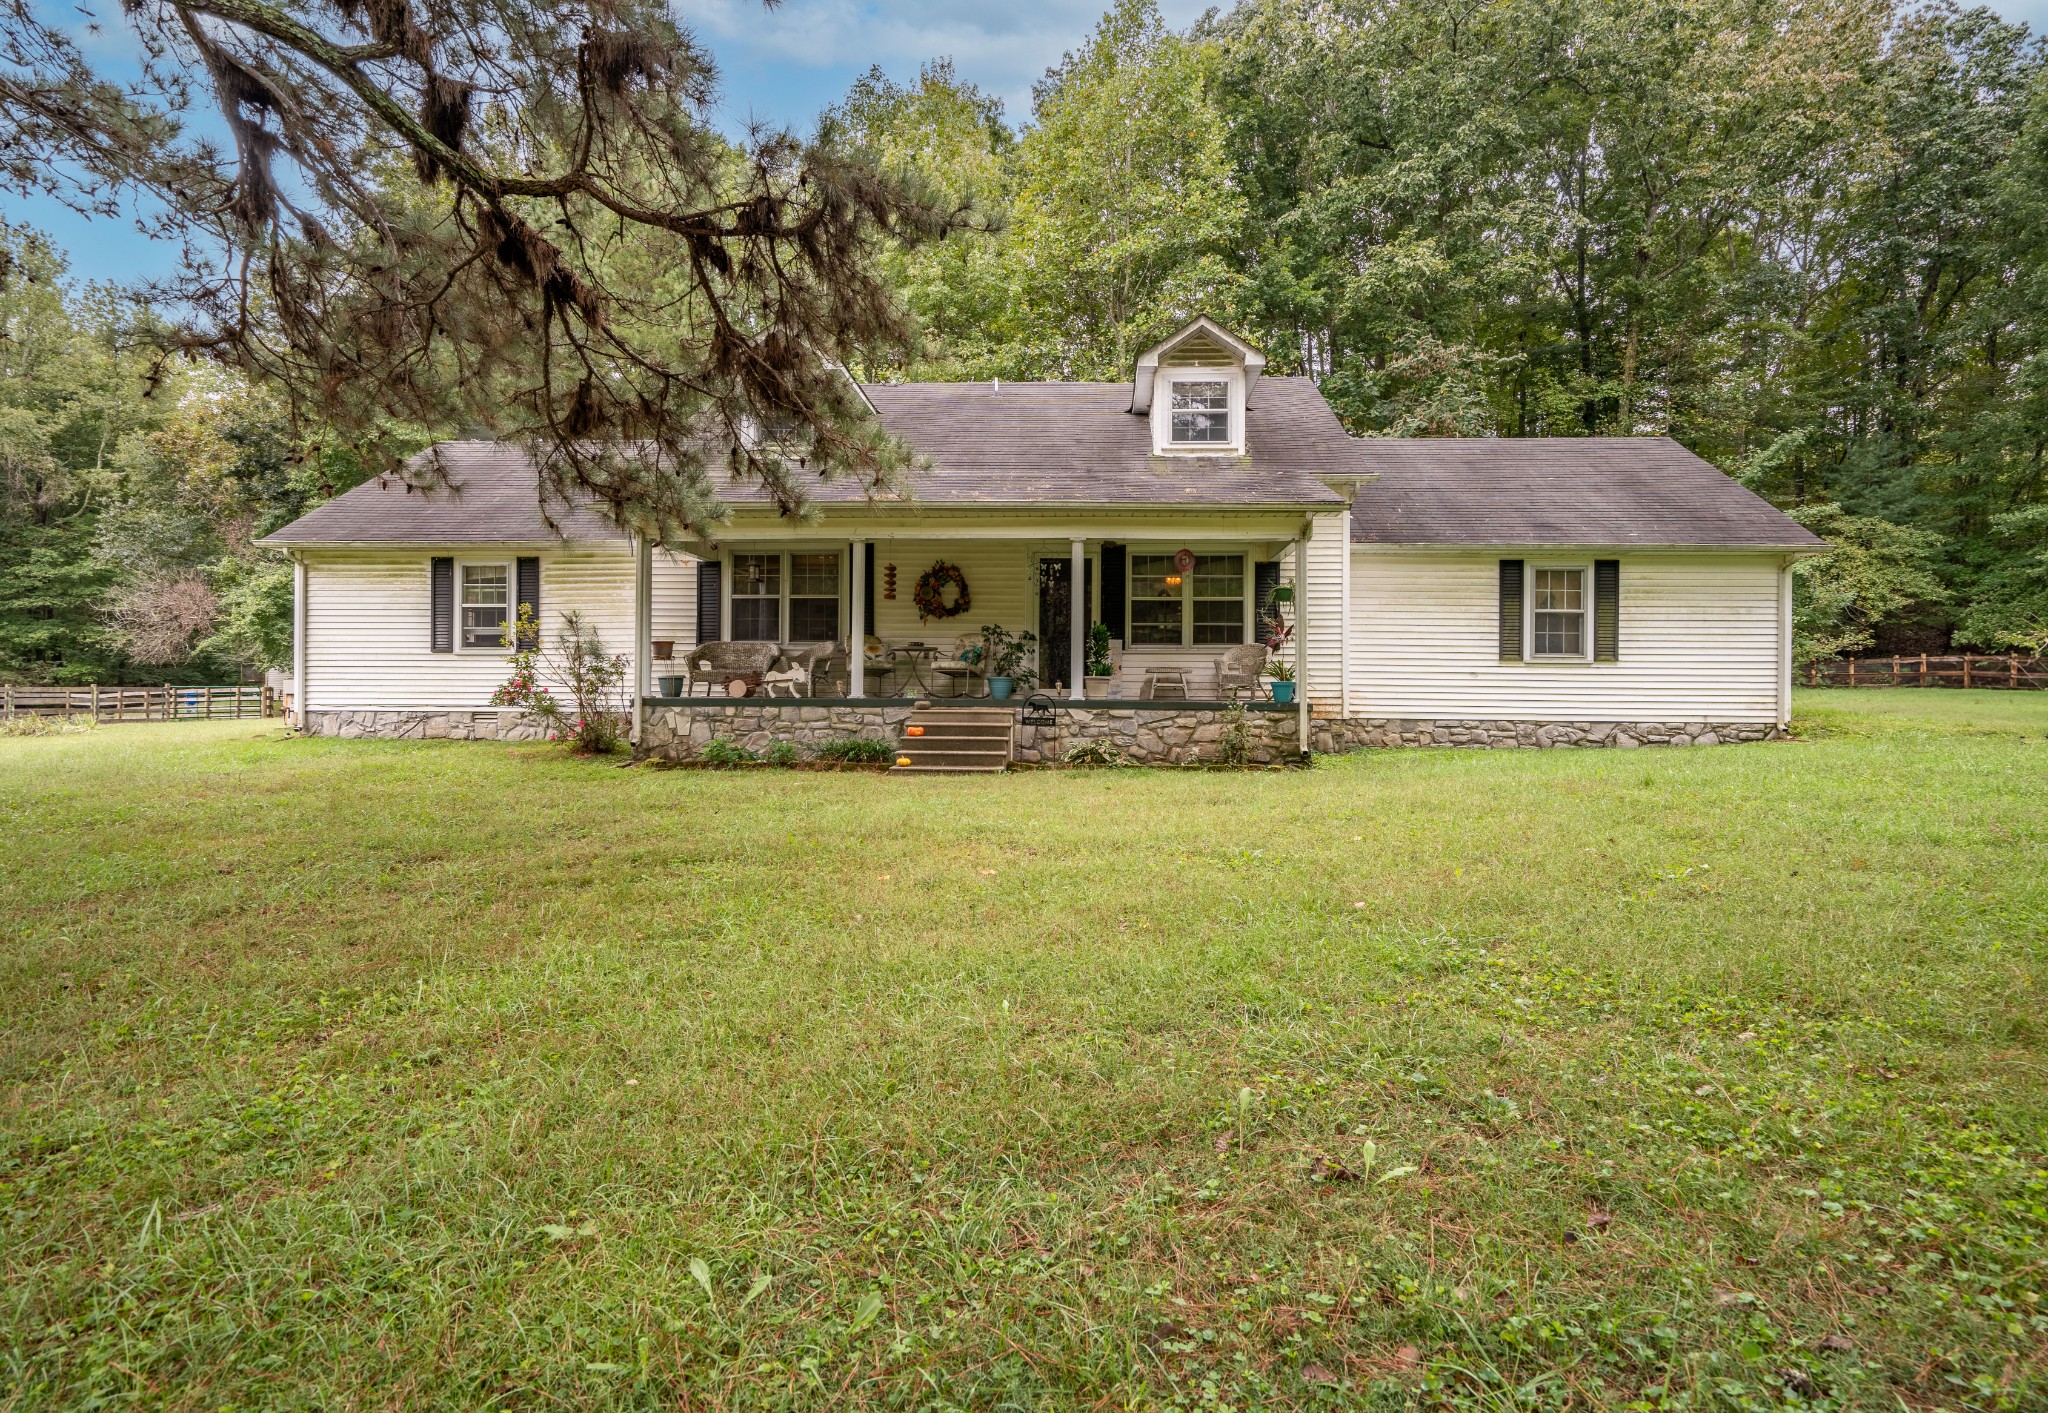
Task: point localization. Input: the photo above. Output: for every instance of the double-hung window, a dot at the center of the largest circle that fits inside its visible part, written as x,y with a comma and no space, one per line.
785,598
1201,412
1158,602
813,598
486,605
1557,613
757,598
1201,608
1217,589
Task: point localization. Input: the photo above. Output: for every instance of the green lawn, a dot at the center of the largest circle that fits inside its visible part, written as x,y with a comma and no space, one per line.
351,1074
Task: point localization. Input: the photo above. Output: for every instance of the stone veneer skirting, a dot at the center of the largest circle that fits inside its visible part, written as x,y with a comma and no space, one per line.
680,732
1160,735
490,725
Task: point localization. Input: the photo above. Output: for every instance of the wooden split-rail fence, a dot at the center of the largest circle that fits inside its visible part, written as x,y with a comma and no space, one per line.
166,703
1931,670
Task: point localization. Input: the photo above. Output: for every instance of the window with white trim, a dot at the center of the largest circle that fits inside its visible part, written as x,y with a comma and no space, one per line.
1557,612
757,598
486,599
1200,412
1204,607
1217,589
786,598
813,598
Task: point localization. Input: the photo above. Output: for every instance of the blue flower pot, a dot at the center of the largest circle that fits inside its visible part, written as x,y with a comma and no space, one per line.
1283,692
999,688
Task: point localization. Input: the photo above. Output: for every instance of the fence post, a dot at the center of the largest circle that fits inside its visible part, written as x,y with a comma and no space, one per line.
7,698
1966,669
1852,671
2012,670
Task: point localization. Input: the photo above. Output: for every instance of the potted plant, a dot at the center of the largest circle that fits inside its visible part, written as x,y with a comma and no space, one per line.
1096,682
1008,657
1280,677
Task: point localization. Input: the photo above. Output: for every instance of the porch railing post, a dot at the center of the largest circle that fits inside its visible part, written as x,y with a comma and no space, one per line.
1077,620
857,623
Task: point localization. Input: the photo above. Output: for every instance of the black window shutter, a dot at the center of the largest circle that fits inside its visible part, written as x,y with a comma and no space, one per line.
1265,579
1113,586
1607,610
441,604
1511,610
529,597
710,586
867,612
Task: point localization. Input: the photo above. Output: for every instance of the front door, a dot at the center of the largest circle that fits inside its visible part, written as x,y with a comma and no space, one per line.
1056,618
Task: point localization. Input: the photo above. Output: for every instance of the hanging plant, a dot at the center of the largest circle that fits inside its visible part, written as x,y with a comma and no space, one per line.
930,594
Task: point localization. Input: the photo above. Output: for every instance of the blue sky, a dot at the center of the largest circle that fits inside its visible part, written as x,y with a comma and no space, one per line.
783,66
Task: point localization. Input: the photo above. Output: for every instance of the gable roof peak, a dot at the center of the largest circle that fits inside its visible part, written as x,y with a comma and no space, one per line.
1200,330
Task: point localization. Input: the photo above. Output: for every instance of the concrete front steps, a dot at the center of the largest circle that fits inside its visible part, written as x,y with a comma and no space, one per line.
953,740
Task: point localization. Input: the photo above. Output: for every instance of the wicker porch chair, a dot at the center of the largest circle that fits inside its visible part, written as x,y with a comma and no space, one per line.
713,666
963,671
1237,672
799,672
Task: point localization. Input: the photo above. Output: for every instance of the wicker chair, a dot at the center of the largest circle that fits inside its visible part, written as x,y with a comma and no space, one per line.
963,672
799,674
1237,672
714,666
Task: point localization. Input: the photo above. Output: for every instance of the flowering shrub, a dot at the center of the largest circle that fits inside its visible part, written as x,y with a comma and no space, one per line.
593,680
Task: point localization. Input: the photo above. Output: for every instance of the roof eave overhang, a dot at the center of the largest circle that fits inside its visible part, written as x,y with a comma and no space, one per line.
1592,547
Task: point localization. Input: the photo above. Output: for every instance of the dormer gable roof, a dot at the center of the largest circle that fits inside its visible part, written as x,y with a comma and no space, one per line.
1204,342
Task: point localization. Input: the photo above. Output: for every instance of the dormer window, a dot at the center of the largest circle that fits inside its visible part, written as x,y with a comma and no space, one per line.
1201,412
1195,389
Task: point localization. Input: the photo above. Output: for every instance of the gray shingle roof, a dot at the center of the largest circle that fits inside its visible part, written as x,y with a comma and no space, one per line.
1080,444
1052,444
492,497
1561,491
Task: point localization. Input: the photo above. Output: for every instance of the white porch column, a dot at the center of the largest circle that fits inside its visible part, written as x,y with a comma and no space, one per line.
1077,621
1785,645
643,627
1301,631
857,624
298,641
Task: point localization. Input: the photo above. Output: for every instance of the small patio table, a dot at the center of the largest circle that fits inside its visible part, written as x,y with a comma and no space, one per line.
915,661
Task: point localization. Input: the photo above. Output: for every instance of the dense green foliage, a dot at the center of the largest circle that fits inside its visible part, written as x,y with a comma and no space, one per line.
1703,1080
1808,241
130,494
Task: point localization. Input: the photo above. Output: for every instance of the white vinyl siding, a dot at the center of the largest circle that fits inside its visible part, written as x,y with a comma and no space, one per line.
367,624
1699,642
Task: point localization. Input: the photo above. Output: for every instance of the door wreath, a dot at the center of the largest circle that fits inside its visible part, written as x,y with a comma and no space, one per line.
930,594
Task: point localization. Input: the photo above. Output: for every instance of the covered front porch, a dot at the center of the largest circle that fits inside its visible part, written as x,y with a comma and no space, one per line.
845,626
1138,612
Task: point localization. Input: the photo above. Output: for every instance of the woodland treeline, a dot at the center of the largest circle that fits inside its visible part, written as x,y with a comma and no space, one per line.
1810,241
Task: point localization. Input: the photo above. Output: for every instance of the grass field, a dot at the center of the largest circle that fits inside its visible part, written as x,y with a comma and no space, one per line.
350,1074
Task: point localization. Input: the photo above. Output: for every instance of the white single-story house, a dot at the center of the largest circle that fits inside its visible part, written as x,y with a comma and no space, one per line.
1563,591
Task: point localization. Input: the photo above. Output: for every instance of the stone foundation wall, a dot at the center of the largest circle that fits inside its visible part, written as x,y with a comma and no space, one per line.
1355,732
492,725
1169,737
679,733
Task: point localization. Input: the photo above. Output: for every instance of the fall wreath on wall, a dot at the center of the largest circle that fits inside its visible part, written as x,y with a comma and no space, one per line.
930,594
